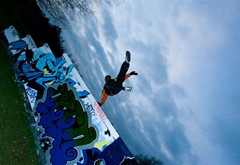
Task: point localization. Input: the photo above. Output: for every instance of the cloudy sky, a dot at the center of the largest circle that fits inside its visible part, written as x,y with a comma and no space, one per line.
184,107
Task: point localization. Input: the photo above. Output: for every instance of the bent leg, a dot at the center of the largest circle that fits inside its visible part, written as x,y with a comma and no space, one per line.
123,71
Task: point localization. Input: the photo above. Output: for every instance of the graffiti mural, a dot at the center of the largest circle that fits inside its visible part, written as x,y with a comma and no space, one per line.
65,121
69,125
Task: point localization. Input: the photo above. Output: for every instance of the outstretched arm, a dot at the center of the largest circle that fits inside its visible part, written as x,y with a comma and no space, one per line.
104,98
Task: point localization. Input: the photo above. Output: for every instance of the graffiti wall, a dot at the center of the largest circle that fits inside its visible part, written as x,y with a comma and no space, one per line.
67,122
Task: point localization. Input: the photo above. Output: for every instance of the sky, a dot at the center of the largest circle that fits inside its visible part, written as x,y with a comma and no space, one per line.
184,106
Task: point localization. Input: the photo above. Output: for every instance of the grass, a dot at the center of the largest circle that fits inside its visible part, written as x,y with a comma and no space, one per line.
16,138
17,142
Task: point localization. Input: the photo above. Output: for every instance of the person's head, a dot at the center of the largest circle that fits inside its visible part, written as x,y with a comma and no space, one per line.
107,78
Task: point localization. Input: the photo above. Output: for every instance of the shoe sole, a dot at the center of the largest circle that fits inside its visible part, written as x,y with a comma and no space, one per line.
128,56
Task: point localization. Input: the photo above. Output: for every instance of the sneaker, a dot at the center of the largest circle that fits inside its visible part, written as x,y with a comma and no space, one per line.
128,57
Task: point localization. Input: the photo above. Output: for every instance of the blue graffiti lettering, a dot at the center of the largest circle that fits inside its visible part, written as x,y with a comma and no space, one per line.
32,94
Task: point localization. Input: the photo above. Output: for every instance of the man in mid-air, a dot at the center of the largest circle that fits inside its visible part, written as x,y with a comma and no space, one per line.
114,86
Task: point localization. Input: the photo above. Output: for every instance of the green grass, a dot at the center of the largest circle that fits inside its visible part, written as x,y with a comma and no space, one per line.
17,144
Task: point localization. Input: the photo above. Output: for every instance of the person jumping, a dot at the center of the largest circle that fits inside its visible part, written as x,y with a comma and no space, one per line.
114,86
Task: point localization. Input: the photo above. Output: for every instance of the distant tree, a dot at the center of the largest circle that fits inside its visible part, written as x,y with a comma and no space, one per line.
32,20
56,8
147,160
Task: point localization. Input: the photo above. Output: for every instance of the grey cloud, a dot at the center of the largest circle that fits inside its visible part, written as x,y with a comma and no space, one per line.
79,45
109,29
143,132
225,132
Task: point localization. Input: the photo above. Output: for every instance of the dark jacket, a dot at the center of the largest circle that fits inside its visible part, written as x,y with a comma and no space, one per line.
111,88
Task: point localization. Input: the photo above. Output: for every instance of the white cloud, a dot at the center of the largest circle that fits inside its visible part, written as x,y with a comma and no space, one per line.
175,110
195,66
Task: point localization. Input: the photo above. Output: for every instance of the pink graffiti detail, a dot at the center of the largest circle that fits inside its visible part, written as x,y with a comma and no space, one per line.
100,112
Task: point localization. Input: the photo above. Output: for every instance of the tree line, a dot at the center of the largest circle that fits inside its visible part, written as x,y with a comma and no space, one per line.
32,20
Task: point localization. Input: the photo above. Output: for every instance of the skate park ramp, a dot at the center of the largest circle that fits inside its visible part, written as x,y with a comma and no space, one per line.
69,126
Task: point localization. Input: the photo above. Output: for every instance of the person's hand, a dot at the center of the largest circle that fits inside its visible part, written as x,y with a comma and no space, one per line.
99,104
